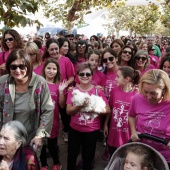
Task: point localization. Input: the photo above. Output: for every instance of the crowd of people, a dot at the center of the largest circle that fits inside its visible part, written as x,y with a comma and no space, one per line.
37,80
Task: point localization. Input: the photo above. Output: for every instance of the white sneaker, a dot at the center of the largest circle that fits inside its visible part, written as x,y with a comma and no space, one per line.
65,136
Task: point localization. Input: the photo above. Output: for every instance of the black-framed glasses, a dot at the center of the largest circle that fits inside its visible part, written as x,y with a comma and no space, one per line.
142,58
105,60
85,74
9,39
125,52
20,66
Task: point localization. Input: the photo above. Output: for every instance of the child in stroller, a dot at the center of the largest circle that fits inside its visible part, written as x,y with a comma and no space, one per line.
138,157
135,153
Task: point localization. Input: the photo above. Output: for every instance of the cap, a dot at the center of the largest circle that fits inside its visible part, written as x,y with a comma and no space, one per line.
63,33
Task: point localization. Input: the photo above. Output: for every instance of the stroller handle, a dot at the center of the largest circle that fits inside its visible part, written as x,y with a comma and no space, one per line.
152,137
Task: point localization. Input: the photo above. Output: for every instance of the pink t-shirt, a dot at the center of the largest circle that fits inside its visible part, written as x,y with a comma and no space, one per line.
66,68
110,82
3,57
154,60
98,78
119,132
79,121
55,98
153,119
82,60
38,70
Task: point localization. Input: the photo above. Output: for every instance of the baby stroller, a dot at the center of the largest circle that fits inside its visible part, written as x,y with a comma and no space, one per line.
117,160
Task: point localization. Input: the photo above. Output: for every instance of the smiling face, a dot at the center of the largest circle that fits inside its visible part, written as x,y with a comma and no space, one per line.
132,162
166,67
126,54
8,142
152,93
64,49
94,61
116,47
110,64
9,39
19,74
145,47
85,76
50,71
141,61
53,50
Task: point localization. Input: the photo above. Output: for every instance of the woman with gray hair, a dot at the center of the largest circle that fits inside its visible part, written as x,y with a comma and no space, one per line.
13,154
141,61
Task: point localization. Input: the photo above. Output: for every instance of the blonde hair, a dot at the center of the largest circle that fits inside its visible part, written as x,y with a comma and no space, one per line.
33,48
158,78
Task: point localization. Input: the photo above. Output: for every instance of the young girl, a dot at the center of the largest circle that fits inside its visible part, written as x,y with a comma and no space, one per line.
120,99
51,72
98,78
138,157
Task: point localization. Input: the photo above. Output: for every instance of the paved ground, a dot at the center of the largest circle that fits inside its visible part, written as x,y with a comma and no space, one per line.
100,164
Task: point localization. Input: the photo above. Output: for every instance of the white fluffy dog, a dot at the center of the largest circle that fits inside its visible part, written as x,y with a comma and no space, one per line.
95,103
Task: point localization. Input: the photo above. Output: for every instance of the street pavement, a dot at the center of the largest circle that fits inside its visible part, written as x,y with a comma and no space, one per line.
100,164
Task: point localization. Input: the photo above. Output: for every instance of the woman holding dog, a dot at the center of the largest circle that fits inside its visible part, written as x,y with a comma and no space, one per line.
84,130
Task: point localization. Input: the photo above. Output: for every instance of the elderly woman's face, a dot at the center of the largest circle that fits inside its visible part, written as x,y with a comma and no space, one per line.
8,142
152,93
53,50
18,70
141,61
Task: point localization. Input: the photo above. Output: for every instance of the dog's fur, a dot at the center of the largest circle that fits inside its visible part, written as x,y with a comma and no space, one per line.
95,103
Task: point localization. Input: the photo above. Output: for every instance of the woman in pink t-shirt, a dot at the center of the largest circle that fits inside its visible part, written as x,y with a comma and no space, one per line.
10,40
51,72
98,78
150,110
34,53
84,130
165,64
141,61
120,98
109,58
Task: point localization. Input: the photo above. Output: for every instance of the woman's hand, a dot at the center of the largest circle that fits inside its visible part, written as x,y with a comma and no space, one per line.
3,66
62,86
4,165
36,142
106,131
134,136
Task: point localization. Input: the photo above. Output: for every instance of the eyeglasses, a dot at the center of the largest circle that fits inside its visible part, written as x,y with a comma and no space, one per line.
85,74
143,58
31,54
129,52
81,46
20,66
9,39
105,60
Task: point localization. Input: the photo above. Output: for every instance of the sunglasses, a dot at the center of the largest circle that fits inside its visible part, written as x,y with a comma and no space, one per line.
85,74
129,52
81,46
105,60
9,39
143,58
20,66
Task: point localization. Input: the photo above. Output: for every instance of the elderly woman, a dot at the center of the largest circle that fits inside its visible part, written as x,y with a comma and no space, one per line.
24,96
13,154
149,110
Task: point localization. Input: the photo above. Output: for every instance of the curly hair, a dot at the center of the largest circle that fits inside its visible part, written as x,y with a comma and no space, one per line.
17,39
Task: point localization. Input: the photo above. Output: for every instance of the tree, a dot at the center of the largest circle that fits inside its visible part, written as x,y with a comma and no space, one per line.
17,12
137,19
